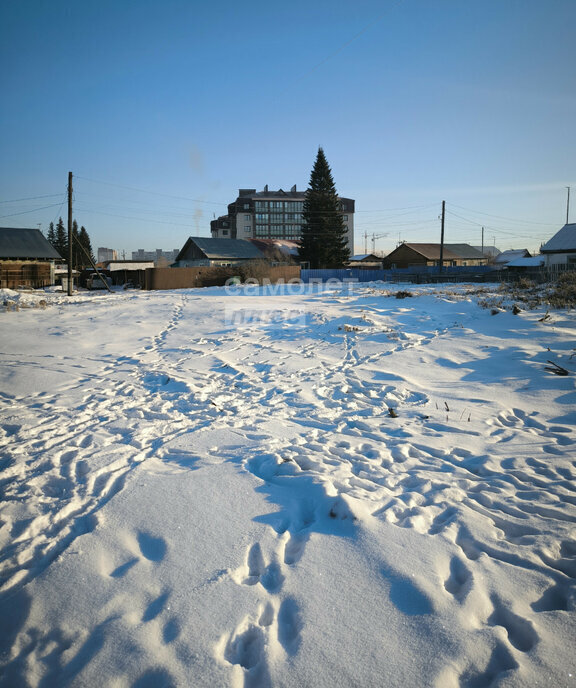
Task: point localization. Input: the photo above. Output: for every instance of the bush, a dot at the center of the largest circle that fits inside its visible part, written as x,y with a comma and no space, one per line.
563,294
215,277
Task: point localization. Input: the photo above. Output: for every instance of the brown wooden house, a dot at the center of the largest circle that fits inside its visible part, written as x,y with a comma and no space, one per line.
27,258
420,255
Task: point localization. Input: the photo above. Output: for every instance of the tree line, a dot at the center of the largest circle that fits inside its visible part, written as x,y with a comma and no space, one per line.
81,245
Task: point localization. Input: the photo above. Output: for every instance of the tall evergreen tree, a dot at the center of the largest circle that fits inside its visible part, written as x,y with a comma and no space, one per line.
324,242
78,258
61,244
51,235
87,244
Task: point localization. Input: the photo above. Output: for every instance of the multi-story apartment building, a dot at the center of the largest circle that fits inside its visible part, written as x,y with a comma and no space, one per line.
157,255
272,215
105,254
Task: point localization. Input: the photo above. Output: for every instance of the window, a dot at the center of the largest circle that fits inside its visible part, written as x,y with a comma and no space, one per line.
247,218
224,232
247,229
262,217
246,206
345,218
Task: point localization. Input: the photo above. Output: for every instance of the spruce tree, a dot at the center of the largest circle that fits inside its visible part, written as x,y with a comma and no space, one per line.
87,245
61,244
51,235
77,253
324,242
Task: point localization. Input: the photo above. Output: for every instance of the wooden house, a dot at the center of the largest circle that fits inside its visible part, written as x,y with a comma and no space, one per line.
420,255
561,248
205,252
27,258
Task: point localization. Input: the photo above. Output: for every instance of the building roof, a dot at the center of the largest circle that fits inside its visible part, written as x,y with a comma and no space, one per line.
283,245
115,265
465,251
223,249
490,251
28,244
451,251
563,241
526,262
280,194
365,257
512,254
252,193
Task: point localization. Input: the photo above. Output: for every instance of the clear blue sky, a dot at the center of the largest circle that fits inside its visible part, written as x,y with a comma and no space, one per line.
163,109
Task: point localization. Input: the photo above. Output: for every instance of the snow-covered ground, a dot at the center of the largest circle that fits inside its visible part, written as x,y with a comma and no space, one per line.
329,487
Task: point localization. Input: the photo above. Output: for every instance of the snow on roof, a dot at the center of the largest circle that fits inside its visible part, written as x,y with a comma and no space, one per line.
131,265
512,254
527,262
563,240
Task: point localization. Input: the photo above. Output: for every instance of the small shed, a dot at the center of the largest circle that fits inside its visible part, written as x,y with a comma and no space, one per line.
365,260
27,258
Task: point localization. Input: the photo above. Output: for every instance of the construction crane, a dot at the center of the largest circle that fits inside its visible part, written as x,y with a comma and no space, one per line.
377,236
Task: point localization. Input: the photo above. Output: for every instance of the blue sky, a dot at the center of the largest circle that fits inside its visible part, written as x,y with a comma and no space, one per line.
163,109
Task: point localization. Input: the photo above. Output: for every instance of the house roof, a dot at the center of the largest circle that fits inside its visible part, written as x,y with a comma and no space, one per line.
563,241
116,265
465,251
283,245
451,251
526,262
490,251
512,254
30,244
365,257
223,249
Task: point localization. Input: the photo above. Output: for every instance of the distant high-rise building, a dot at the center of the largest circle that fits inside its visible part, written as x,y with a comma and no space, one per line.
156,255
272,215
105,254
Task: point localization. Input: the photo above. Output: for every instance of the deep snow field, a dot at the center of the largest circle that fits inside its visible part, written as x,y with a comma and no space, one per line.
291,487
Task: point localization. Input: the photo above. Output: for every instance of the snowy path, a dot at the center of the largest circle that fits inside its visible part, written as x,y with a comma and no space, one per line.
433,544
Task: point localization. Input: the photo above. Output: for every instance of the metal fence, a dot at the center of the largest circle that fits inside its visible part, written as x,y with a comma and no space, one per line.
418,275
431,274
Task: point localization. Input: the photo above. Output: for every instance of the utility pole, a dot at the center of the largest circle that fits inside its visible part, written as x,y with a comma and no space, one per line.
568,205
365,243
70,284
441,266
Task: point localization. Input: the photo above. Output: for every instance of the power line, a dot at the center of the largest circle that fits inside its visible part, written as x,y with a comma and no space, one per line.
25,212
508,219
30,198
